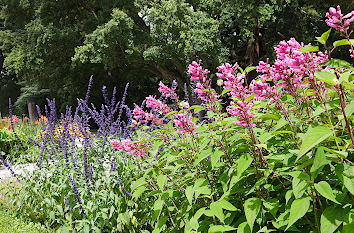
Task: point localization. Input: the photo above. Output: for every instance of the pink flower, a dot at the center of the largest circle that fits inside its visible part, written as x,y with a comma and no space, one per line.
242,110
197,72
167,92
136,149
336,20
184,123
157,105
290,67
138,113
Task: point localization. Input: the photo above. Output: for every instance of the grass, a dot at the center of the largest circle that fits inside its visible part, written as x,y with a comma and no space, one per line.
9,223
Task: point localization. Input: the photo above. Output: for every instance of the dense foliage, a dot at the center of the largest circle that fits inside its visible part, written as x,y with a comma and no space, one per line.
56,45
273,154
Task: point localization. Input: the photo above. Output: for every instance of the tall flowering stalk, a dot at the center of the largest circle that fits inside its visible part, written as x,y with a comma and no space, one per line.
340,22
203,85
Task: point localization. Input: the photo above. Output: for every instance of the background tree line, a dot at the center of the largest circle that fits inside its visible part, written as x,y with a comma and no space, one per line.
49,48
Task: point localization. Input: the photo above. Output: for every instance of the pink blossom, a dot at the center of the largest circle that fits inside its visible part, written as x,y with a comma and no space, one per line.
242,110
184,123
336,20
197,72
136,149
167,92
138,113
291,66
157,105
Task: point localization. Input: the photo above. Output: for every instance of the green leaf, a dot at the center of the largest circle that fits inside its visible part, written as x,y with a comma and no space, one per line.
251,97
327,77
197,108
250,68
272,206
202,155
337,63
138,183
215,157
252,207
300,183
324,37
227,205
161,179
216,210
201,187
332,217
309,48
225,91
298,209
244,228
349,109
325,190
348,178
313,137
348,222
343,42
319,162
269,116
189,194
170,113
137,193
220,228
243,163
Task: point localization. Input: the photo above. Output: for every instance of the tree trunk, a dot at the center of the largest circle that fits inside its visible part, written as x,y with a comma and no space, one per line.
33,117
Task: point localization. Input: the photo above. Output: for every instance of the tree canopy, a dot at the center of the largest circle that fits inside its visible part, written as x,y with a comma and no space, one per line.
56,45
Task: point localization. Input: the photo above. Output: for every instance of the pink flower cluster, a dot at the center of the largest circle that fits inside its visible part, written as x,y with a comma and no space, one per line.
143,117
184,123
198,73
136,149
243,110
157,105
167,92
291,66
235,82
336,20
203,88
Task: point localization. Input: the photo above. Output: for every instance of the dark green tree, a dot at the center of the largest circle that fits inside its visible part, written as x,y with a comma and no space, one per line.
57,45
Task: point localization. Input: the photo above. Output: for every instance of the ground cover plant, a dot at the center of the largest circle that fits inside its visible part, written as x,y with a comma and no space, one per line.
275,154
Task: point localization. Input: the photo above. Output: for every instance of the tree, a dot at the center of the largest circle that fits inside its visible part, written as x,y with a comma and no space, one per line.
57,45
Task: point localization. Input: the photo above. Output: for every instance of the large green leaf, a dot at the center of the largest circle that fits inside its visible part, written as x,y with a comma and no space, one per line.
332,217
300,183
343,42
220,228
252,207
348,222
348,178
324,37
227,205
325,190
313,137
319,162
349,109
327,77
243,163
244,228
216,210
337,63
189,194
298,209
161,180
